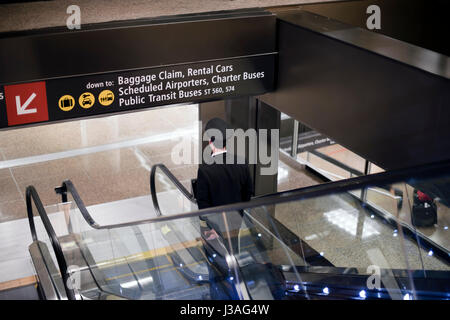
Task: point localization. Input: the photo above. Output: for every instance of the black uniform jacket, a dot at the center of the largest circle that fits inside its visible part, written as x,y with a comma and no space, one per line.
221,183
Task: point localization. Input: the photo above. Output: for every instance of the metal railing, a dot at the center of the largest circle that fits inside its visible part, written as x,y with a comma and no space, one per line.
374,180
173,179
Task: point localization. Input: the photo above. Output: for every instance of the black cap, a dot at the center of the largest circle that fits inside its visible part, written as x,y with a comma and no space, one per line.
214,125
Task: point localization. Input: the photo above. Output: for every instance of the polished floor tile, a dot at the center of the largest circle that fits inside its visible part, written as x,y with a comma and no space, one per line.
344,232
5,173
157,148
127,183
100,176
292,175
9,189
51,138
104,164
11,210
63,168
25,142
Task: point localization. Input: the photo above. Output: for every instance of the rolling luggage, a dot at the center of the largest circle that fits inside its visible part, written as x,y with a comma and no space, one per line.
424,211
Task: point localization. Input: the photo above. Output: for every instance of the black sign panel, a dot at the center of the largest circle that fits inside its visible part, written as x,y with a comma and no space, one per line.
76,97
312,140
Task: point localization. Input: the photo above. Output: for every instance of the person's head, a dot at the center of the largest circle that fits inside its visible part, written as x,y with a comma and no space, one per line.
216,130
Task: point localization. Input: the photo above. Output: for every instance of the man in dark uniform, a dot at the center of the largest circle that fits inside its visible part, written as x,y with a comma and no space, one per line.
222,180
227,179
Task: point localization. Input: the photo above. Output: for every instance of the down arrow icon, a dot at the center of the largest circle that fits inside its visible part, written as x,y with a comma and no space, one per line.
22,109
26,103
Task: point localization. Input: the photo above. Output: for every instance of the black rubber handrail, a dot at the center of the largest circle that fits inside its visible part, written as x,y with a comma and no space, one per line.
173,179
441,251
32,196
341,186
68,187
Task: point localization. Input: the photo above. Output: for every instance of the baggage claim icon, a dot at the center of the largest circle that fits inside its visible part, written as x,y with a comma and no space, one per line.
106,97
86,100
66,103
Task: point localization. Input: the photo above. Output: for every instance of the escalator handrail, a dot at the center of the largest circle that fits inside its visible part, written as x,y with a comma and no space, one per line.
379,179
32,196
173,179
441,251
68,187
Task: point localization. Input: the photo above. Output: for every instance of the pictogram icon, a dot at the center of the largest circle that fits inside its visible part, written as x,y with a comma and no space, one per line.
26,103
86,100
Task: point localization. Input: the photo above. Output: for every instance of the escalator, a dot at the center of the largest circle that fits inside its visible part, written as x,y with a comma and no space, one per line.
319,242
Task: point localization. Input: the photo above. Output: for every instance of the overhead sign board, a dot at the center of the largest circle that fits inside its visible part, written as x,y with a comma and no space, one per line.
84,96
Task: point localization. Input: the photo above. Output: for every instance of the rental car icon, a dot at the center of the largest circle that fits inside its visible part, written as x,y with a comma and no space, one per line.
86,100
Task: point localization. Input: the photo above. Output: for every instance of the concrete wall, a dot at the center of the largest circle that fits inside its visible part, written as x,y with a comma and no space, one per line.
41,14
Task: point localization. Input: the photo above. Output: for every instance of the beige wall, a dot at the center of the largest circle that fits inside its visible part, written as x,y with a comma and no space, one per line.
35,15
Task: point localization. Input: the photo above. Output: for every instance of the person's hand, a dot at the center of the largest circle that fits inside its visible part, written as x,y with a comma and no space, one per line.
211,235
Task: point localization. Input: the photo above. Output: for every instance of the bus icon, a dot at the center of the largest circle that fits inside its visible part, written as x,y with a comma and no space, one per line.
106,97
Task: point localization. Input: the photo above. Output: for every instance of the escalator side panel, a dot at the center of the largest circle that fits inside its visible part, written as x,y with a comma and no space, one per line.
50,281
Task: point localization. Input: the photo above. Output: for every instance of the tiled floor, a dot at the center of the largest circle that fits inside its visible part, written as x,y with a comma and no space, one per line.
100,176
292,175
381,198
345,233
